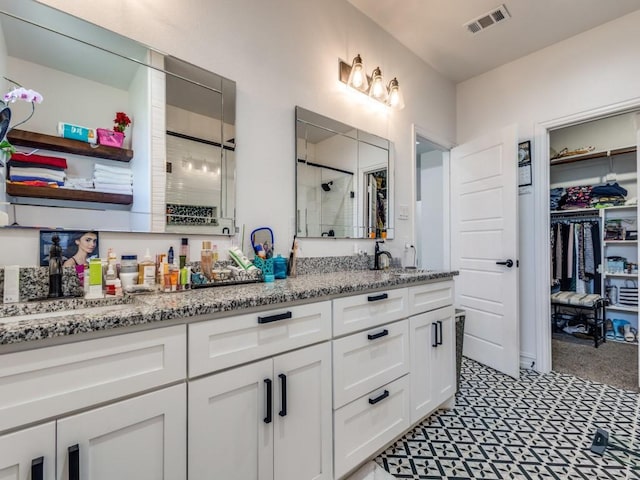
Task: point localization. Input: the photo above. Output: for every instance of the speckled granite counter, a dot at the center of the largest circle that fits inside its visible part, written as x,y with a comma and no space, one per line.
50,319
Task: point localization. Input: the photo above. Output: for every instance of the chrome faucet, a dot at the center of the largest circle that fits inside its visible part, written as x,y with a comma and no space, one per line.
377,253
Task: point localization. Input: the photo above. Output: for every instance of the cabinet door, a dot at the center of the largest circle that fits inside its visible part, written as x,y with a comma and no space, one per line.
142,438
229,437
302,409
20,449
432,369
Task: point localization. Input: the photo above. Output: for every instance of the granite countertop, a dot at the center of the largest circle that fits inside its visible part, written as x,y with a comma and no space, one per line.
31,321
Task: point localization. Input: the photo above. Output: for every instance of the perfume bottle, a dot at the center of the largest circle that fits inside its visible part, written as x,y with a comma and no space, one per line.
55,268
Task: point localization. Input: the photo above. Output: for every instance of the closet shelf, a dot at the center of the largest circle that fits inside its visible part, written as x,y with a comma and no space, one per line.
68,194
65,145
589,156
575,211
622,275
622,308
620,242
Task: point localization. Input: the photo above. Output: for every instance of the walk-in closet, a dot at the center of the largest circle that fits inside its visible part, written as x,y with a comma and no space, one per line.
594,249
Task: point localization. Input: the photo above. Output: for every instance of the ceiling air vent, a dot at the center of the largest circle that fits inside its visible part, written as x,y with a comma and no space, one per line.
498,14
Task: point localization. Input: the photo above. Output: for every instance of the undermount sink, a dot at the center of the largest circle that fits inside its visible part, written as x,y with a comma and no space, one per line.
65,313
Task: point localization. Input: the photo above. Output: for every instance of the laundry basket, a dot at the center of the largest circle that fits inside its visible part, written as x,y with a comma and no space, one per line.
459,316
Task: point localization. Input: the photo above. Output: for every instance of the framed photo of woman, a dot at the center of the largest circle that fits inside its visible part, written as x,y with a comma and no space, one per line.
78,246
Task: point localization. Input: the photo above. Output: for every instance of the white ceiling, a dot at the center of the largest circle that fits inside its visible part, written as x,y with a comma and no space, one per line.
433,29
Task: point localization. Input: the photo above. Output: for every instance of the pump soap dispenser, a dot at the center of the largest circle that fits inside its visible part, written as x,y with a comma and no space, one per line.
55,268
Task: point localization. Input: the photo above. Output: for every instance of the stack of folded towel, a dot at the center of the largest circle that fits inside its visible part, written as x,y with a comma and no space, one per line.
113,179
37,170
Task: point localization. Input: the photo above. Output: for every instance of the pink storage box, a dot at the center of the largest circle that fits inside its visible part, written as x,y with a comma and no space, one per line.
109,138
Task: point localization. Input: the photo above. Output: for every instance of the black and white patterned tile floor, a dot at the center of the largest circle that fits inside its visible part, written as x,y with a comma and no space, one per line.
537,427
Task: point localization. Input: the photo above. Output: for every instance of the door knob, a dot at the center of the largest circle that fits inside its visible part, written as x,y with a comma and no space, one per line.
508,263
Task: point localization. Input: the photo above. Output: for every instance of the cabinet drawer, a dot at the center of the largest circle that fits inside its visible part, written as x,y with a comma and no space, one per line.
358,312
225,342
423,298
363,361
38,384
367,424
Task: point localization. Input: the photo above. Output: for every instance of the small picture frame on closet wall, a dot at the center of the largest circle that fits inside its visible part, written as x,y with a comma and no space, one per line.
524,163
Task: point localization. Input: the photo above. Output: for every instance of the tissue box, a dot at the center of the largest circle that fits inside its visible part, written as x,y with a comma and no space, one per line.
76,132
110,138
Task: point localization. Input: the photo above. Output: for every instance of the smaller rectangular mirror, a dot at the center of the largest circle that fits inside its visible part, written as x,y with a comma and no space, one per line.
341,179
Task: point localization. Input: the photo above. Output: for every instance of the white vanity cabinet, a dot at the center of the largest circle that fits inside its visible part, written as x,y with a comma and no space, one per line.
370,381
432,333
270,419
142,437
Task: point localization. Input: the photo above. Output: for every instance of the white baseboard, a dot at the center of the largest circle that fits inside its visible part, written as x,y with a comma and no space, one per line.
528,361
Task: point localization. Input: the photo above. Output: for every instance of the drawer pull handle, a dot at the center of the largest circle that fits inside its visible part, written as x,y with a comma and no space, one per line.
275,318
37,468
434,334
74,462
381,397
283,394
383,333
440,328
267,419
375,298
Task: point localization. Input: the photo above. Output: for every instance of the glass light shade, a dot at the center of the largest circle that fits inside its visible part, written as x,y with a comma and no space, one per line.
358,76
378,89
396,99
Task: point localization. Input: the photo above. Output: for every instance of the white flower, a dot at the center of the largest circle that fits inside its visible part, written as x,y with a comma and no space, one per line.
21,93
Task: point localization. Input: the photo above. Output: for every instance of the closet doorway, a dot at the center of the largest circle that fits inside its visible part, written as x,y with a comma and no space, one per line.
593,248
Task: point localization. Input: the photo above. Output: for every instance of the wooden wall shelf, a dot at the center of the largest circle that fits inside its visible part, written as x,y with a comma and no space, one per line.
589,156
65,145
68,194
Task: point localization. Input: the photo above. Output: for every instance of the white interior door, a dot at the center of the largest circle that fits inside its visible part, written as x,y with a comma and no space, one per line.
484,231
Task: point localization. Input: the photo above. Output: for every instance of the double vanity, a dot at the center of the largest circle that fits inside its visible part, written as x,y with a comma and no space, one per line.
304,378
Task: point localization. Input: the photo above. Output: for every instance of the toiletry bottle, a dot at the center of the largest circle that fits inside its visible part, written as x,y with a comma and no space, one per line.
214,254
128,270
184,252
110,280
55,268
206,259
170,256
174,275
147,270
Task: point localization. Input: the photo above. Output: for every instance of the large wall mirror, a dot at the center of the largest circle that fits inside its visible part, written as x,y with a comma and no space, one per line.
179,148
342,180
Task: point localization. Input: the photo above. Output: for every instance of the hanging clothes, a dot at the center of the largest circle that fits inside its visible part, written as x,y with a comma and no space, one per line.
575,255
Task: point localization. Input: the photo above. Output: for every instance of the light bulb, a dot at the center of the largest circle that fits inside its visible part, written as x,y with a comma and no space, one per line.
396,99
378,89
357,76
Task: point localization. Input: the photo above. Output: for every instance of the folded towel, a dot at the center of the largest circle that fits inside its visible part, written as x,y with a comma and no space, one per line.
111,188
19,178
20,163
41,159
38,172
36,183
80,183
109,169
110,178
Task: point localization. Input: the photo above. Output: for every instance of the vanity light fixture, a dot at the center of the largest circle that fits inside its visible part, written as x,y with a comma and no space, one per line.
354,75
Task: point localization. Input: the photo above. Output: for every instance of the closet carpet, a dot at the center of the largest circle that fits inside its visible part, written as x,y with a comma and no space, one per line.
537,427
613,363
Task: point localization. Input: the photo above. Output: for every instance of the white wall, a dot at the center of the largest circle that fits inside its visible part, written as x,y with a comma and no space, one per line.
284,53
430,248
597,68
